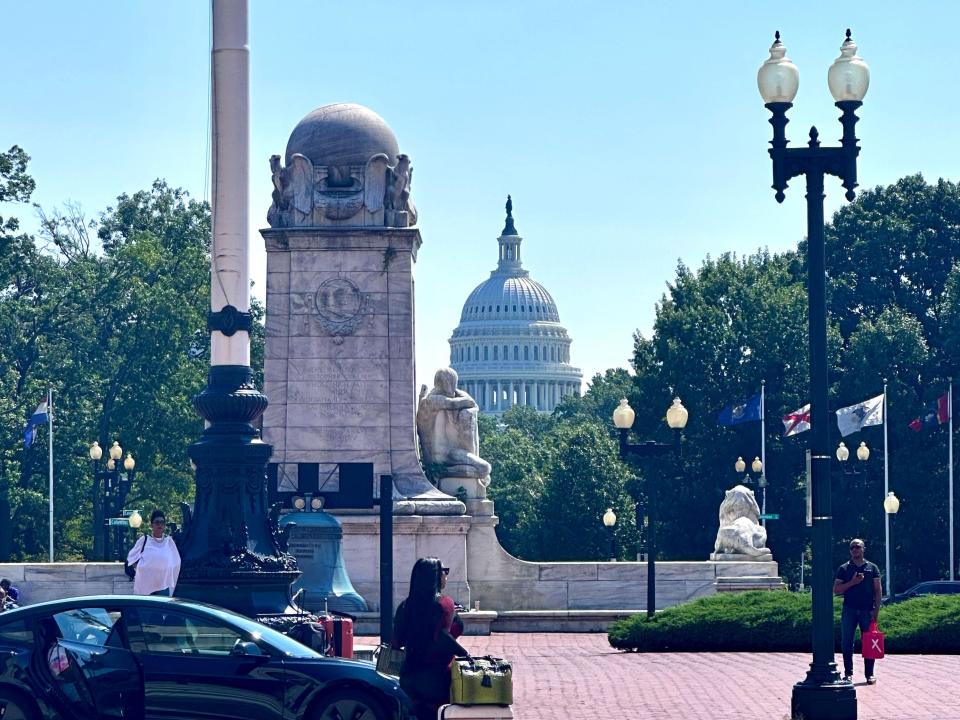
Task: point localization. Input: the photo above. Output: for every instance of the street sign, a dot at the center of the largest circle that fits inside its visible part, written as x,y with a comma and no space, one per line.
770,516
118,521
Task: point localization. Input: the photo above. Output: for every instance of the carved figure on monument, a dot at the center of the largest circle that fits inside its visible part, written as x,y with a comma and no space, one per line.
375,193
292,192
400,209
740,537
448,429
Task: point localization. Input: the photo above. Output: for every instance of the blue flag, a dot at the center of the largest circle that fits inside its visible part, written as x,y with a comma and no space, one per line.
40,417
737,413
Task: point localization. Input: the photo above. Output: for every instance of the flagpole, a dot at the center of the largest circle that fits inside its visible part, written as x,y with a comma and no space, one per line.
953,566
763,448
50,459
886,489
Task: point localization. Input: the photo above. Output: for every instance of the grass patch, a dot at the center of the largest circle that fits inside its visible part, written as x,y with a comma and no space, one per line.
780,621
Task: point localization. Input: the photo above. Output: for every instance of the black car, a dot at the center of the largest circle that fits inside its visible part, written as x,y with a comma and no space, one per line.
147,658
930,587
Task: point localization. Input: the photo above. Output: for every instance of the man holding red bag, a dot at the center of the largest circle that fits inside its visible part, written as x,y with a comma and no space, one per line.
858,580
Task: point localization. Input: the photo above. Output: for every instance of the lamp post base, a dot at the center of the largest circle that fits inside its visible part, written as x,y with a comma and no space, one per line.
827,701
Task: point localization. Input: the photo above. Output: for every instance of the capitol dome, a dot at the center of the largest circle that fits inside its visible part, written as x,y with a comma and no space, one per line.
342,134
510,348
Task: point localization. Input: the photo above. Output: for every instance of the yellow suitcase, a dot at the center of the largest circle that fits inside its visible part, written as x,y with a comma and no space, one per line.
481,681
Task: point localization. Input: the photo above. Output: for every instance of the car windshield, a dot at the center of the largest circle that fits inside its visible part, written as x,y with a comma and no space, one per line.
286,645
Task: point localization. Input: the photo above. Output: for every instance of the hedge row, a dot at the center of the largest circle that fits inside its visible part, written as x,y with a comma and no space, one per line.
764,621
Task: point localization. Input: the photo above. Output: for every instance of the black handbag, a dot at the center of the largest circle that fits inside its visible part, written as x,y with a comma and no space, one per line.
131,570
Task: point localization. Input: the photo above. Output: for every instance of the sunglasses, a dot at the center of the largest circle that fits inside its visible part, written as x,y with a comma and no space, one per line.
445,571
158,521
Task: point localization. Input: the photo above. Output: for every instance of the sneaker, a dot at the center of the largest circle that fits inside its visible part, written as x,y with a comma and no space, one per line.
848,677
871,680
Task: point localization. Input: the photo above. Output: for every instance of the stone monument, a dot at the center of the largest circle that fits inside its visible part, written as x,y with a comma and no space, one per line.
741,536
339,368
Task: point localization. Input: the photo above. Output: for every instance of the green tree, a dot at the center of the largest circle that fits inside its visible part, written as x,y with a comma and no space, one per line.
112,315
584,477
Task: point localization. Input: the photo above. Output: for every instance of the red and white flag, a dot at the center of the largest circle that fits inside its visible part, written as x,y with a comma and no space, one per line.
796,422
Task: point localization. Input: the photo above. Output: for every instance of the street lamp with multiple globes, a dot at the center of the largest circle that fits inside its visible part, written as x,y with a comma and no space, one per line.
623,417
610,522
756,468
891,504
821,694
110,490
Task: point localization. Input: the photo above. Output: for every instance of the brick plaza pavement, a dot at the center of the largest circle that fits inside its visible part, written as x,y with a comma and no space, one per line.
578,676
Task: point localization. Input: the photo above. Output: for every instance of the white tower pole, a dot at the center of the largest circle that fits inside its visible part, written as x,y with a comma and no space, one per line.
230,271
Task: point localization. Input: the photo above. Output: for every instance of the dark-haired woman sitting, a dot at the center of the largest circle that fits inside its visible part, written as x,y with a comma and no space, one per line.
426,626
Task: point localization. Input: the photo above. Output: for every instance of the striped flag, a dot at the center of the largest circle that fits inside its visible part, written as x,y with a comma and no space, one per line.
41,416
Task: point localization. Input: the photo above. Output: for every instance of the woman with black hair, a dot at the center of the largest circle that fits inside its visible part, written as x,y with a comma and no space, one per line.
426,626
156,558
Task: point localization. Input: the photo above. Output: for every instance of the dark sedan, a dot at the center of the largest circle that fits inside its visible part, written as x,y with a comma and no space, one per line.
147,658
930,587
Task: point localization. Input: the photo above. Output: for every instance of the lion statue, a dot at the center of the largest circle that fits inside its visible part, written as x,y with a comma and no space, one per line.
740,531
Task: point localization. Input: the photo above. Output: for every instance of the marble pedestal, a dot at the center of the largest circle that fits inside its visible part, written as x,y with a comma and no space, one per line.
339,365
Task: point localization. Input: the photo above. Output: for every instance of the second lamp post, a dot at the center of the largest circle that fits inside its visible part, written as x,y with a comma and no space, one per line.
822,694
110,489
623,418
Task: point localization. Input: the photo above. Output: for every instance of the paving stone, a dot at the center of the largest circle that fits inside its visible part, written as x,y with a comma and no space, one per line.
578,676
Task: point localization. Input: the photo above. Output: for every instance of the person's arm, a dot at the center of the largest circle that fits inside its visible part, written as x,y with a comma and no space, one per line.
398,640
877,597
136,551
840,587
175,570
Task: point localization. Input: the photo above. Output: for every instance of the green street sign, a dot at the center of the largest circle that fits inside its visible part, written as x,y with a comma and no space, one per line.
118,521
770,516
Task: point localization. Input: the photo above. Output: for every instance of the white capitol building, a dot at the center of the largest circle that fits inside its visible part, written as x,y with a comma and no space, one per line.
510,348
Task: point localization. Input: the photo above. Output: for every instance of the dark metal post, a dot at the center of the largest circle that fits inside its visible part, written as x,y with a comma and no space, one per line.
822,694
651,556
107,490
386,558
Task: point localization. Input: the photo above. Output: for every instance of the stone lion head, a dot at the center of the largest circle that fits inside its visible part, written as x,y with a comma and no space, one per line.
739,503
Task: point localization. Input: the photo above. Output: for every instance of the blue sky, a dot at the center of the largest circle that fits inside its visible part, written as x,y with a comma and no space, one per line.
630,134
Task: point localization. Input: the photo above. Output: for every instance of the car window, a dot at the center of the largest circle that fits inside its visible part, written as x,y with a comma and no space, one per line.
89,626
16,632
171,632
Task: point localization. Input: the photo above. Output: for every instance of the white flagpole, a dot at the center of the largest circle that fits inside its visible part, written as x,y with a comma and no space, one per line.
763,446
886,489
50,458
953,566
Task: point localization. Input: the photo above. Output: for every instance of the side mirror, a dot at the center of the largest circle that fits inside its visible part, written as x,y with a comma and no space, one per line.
247,649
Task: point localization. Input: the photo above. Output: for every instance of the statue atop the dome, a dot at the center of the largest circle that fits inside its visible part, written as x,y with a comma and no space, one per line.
448,429
400,209
292,192
308,195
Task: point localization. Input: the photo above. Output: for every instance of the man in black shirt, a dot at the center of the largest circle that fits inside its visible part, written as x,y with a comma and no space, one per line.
858,580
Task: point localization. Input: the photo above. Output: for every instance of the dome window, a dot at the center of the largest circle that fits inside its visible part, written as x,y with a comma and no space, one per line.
486,353
514,308
536,352
516,352
490,309
498,308
495,348
526,352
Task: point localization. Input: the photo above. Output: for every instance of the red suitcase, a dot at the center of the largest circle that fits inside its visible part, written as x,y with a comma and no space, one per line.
339,635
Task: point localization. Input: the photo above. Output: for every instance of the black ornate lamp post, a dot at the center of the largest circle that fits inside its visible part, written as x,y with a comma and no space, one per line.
232,551
821,694
623,417
110,490
610,522
756,467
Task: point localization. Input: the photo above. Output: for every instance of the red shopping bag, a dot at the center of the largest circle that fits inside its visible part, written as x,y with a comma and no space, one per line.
871,643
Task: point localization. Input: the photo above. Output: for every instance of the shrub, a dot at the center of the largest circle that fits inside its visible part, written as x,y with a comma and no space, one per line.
764,621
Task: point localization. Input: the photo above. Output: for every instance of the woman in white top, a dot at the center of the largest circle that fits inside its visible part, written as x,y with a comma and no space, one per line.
156,559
